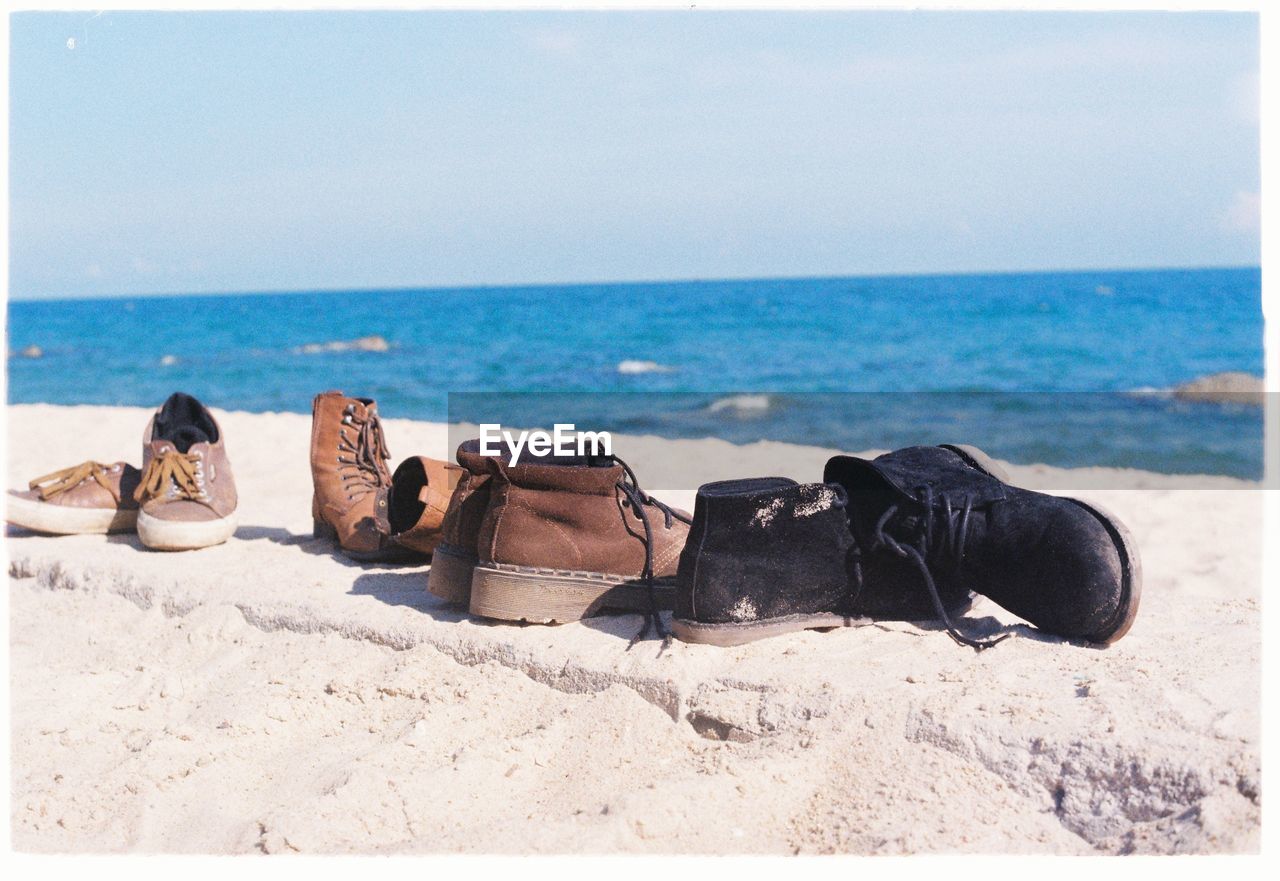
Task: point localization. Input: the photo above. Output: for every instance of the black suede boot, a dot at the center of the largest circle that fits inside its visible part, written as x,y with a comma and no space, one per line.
933,522
764,556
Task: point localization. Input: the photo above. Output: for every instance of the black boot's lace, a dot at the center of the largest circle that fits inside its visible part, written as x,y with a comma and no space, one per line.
362,469
942,546
639,501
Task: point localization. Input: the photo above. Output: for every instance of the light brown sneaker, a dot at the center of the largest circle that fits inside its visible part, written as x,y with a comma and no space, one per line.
570,537
350,481
419,497
187,494
88,498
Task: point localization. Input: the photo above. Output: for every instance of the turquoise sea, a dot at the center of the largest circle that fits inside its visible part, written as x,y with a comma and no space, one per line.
1068,368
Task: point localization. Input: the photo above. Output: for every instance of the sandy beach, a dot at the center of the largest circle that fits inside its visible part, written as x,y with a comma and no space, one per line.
269,696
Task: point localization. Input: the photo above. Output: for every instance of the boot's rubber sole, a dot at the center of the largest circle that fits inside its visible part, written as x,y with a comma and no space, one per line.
184,535
733,633
554,596
451,572
65,520
1131,566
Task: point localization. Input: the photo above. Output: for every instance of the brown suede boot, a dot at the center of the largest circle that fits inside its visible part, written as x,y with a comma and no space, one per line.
419,498
561,542
350,478
454,558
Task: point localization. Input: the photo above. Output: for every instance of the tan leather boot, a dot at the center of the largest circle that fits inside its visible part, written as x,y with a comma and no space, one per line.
560,542
419,498
349,476
186,494
87,498
455,558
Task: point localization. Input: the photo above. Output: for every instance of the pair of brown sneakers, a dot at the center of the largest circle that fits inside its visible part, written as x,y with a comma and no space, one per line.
555,539
183,498
372,514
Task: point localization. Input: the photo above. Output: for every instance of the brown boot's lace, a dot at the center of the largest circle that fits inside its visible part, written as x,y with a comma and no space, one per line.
636,499
942,547
180,475
68,478
363,470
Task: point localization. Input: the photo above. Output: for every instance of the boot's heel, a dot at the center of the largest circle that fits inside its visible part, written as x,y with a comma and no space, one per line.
321,529
450,576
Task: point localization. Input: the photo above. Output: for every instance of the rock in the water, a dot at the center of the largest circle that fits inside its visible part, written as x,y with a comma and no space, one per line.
1233,387
32,352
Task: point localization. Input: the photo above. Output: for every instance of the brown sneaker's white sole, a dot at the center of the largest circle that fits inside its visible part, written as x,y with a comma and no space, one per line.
66,520
554,596
183,535
450,576
730,634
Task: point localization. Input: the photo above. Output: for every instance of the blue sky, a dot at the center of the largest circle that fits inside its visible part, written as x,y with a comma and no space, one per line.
190,152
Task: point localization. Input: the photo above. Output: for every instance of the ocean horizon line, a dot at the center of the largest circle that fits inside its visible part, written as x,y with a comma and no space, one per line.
571,285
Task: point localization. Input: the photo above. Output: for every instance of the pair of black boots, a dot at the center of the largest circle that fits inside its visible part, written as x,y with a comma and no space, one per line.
906,536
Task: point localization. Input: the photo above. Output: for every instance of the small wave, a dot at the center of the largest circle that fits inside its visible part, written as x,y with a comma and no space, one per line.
741,404
363,344
632,367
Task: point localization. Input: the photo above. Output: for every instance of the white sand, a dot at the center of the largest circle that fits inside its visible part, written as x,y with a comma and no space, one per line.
266,695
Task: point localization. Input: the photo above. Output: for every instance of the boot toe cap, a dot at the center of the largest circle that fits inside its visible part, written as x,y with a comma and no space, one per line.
1081,576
